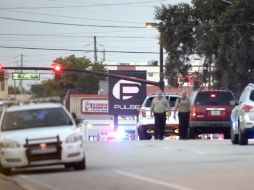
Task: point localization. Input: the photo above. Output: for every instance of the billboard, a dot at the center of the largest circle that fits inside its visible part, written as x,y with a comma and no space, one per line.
126,97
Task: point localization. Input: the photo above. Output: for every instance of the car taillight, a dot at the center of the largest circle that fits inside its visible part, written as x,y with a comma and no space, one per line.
247,108
193,113
143,112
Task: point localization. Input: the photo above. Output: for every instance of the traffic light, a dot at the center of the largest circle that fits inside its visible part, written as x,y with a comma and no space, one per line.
57,69
1,73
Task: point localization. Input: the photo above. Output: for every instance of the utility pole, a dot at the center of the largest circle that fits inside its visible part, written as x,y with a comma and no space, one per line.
20,82
104,55
95,49
162,85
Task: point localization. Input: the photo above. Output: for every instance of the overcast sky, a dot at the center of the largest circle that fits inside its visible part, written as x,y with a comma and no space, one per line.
117,14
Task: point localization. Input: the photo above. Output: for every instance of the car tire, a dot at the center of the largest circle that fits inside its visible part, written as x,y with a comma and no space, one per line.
234,137
80,165
192,133
243,140
143,134
5,171
227,135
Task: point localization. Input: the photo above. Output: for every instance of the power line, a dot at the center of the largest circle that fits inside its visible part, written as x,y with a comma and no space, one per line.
78,50
70,24
71,17
121,26
76,36
81,6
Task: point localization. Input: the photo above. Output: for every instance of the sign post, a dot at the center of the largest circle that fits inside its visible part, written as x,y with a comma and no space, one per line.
126,97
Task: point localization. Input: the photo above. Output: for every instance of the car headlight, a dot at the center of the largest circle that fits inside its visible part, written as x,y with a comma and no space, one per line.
73,138
9,144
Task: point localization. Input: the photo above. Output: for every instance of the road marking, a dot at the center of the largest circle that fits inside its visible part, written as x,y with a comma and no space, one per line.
167,148
154,181
200,152
35,182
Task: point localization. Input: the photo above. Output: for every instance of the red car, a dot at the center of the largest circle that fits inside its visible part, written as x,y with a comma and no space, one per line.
210,112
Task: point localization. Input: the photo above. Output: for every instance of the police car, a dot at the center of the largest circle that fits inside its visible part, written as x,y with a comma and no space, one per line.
38,134
145,124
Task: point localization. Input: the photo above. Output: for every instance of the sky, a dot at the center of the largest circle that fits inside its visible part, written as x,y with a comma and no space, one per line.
117,24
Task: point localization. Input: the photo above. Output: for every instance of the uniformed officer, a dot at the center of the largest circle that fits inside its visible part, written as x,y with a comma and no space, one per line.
183,107
158,109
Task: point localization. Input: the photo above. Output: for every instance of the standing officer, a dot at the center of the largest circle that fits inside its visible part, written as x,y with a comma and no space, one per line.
183,107
158,109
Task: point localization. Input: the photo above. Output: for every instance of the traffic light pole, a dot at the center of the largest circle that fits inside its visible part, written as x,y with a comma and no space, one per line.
88,72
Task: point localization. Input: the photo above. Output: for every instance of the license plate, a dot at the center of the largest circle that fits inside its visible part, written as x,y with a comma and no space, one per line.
44,151
215,113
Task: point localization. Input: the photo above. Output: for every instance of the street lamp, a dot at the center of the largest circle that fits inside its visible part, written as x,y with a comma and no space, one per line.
156,25
228,2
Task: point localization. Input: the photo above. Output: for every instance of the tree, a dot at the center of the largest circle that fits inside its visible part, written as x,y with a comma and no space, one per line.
11,90
179,40
85,83
221,32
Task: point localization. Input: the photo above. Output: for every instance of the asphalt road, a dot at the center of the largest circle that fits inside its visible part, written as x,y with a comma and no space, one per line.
152,165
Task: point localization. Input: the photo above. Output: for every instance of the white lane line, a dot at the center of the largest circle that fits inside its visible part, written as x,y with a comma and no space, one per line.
154,181
35,182
201,152
167,148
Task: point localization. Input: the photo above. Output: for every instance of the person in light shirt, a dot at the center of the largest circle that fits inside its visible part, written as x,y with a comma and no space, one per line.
159,108
183,107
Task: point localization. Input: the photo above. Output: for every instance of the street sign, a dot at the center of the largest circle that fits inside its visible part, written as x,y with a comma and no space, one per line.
25,76
126,97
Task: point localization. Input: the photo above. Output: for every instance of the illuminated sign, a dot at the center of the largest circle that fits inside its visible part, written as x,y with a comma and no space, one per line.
25,76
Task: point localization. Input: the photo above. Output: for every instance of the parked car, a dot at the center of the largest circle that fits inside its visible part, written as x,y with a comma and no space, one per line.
145,124
37,134
242,117
210,112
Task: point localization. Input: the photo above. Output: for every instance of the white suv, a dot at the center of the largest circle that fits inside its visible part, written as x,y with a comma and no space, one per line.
242,117
145,124
39,134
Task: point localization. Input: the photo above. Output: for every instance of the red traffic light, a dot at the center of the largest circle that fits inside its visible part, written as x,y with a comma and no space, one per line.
1,67
57,68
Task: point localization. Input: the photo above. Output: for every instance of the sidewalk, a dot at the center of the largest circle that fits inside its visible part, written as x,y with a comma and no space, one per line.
8,184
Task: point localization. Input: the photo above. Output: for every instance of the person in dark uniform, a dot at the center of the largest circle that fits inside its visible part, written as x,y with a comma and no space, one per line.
158,109
183,107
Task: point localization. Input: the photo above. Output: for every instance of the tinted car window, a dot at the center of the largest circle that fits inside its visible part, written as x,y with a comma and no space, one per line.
35,118
252,95
214,98
172,101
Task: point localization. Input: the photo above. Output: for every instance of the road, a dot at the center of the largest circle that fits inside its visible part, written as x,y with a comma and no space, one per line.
150,165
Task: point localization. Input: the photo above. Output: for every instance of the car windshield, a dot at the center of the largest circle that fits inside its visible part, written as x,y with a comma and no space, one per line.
215,98
35,118
171,101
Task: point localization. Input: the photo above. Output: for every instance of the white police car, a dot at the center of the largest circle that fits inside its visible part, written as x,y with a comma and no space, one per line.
38,134
145,124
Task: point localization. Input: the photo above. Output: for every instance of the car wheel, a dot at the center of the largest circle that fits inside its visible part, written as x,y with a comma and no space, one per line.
234,137
227,135
5,171
243,140
143,134
80,165
192,133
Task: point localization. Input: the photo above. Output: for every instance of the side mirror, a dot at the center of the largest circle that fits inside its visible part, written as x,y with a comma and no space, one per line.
78,121
74,116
